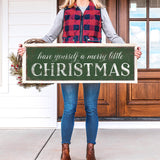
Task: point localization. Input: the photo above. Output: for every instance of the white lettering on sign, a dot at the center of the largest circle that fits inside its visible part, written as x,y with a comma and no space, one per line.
125,69
44,56
100,69
77,69
33,69
115,55
61,70
114,70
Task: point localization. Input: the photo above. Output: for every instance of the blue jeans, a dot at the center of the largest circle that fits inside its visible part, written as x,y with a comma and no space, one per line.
70,96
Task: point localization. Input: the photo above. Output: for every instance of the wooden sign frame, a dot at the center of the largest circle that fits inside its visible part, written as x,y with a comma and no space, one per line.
61,45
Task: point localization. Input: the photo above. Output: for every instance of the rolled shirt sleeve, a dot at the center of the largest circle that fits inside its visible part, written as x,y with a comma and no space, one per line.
108,28
56,28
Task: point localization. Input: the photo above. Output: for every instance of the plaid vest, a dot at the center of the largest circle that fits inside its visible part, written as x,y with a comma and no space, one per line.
78,28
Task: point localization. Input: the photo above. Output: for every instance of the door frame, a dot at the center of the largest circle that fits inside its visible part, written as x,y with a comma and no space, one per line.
143,74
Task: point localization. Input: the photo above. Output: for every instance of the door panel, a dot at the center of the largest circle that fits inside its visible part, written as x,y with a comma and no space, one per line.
144,90
142,104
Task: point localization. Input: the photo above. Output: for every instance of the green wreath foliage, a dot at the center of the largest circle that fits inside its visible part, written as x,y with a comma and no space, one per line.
16,66
16,70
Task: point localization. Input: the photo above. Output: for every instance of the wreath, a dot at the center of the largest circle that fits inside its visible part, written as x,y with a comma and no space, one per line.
16,67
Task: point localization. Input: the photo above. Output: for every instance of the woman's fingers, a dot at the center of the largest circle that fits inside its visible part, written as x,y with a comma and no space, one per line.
138,56
138,52
21,50
139,48
20,45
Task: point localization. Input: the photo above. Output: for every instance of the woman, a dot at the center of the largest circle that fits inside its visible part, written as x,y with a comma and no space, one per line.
81,22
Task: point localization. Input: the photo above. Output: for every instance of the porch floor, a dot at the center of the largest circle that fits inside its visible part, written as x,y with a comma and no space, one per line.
112,144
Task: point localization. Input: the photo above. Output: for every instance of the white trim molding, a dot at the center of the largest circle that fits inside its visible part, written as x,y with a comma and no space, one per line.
5,71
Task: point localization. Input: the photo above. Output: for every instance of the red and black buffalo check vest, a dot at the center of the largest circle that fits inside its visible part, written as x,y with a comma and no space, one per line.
78,28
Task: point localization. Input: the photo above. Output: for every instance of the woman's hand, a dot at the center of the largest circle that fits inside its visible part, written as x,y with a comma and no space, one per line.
138,52
21,50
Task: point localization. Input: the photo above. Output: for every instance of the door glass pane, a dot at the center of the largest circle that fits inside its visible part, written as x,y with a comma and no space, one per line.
155,44
137,9
138,37
154,10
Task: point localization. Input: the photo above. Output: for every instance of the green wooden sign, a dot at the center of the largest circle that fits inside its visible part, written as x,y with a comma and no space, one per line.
79,63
